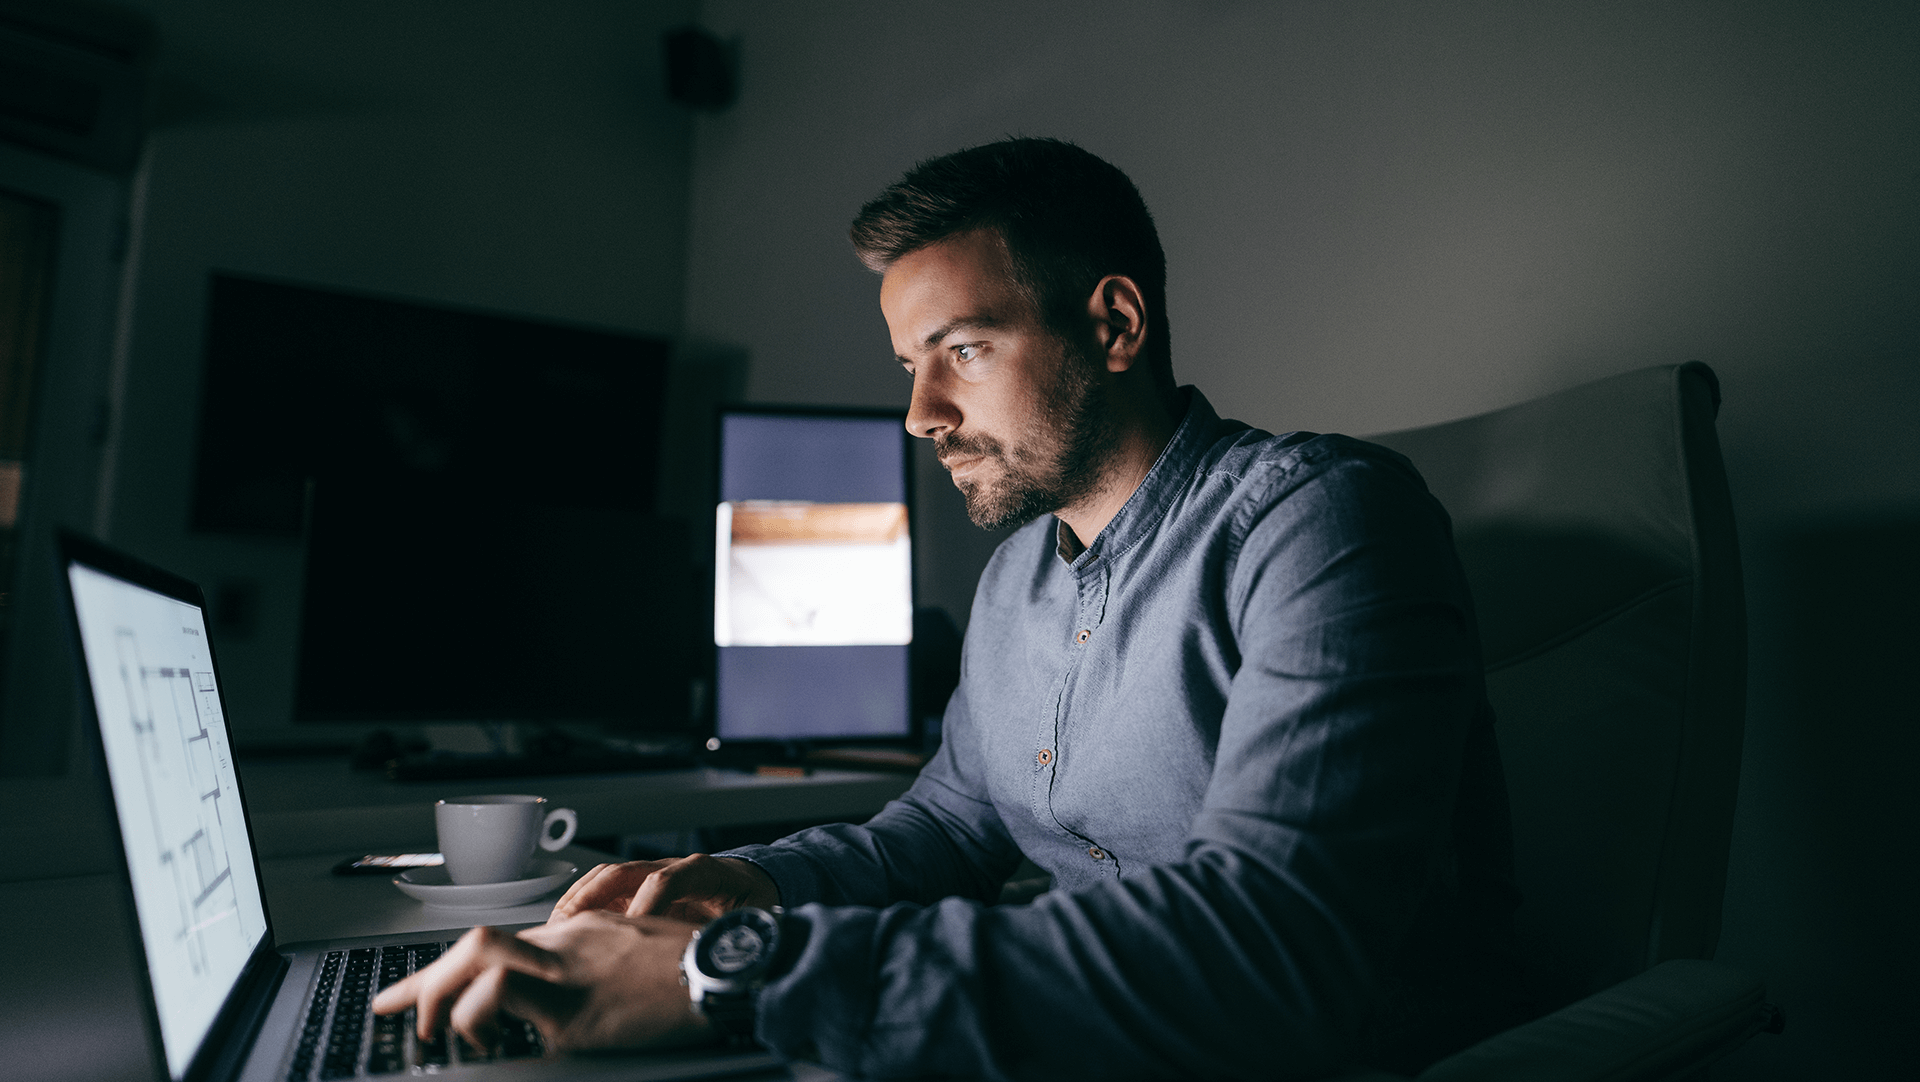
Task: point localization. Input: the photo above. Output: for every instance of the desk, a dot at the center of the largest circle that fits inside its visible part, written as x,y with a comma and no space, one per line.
68,1006
318,805
308,902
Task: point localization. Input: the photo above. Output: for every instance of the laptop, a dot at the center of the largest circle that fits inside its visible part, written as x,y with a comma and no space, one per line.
224,1000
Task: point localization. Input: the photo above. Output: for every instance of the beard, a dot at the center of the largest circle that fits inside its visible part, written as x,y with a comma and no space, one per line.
1060,462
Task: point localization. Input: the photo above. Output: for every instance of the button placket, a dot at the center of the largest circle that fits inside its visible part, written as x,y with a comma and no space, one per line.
1092,590
1093,606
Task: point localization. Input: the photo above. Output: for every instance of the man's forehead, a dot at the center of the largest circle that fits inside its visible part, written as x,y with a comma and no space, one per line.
966,279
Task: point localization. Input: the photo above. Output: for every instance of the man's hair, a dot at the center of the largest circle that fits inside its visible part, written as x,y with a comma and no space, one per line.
1068,220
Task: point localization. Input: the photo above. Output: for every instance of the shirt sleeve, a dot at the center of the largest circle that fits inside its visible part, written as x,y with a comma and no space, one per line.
941,838
1261,952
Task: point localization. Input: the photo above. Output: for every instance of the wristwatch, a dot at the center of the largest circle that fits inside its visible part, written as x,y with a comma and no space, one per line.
726,964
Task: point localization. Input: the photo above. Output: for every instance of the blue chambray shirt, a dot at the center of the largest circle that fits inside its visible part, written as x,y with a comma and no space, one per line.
1246,732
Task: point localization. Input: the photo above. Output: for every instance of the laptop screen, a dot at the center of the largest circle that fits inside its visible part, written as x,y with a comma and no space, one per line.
171,770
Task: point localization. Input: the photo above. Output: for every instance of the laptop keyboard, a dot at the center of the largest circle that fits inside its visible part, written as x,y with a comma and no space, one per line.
341,1038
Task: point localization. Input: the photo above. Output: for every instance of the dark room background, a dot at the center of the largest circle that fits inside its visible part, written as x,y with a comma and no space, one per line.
1377,215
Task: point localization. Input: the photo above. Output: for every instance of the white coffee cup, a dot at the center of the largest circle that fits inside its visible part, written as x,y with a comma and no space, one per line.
490,839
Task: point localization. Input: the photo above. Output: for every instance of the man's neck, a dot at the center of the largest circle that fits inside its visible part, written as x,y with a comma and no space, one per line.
1144,435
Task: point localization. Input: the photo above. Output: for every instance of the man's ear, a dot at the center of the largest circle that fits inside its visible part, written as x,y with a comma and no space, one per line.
1119,315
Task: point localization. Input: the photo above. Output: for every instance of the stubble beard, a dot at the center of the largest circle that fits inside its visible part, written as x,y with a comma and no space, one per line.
1061,461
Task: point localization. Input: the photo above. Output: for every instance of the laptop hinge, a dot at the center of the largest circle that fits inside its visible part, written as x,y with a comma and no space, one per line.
224,1051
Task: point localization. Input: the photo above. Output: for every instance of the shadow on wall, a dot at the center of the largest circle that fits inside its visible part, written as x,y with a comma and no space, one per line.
1852,645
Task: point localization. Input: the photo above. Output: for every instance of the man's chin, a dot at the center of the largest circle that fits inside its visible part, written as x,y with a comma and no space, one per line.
996,510
981,507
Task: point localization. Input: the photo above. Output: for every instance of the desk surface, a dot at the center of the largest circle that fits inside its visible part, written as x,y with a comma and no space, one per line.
315,806
308,902
68,1004
69,1008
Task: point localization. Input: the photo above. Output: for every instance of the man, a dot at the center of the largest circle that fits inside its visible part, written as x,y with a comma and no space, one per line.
1228,693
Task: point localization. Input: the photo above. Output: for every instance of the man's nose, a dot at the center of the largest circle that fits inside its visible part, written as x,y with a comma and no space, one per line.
931,412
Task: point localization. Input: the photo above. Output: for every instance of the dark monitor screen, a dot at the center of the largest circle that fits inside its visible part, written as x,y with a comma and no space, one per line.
813,576
307,386
476,496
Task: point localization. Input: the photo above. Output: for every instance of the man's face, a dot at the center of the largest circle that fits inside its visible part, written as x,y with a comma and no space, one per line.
1016,414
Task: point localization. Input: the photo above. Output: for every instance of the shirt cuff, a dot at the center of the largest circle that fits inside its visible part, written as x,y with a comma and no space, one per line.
821,1007
792,873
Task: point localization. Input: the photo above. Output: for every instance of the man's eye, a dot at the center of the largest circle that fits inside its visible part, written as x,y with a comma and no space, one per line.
967,353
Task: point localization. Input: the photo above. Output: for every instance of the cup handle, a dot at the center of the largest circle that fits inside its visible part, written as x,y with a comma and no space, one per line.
547,840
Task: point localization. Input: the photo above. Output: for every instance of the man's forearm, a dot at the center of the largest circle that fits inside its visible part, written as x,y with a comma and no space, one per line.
909,852
1165,975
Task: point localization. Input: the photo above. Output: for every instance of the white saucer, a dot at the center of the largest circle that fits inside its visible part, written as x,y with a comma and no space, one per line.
432,886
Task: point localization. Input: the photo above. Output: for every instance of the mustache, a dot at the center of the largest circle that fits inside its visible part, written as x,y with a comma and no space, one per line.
953,445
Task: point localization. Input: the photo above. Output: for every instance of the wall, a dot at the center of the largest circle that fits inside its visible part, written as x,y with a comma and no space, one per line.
503,156
1386,214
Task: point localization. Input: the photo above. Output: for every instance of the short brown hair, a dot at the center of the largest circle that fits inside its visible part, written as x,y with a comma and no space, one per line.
1068,219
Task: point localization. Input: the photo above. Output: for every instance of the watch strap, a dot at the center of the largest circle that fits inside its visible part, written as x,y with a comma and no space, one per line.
732,1014
730,1004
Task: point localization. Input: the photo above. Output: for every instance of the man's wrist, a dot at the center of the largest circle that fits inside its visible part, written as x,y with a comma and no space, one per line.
767,894
726,964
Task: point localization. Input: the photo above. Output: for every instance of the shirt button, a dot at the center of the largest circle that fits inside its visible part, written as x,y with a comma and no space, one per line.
1083,635
1097,853
1045,756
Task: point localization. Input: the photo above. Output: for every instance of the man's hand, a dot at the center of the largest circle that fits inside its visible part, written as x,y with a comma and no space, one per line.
597,981
695,889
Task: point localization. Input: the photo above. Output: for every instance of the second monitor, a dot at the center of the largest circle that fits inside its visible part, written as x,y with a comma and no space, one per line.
813,576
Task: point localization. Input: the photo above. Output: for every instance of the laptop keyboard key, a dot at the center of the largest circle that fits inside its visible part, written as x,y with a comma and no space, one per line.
341,1038
518,1039
347,1035
389,1044
434,1052
310,1031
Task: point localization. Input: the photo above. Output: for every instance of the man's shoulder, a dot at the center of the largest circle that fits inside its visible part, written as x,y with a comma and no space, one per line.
1261,465
1230,479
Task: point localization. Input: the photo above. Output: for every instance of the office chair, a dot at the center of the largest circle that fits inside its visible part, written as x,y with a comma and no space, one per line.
1597,532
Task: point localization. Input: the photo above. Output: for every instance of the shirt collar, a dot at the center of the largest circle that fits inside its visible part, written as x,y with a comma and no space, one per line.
1143,510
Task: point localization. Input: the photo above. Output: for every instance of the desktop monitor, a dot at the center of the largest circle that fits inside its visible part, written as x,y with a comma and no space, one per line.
813,576
476,496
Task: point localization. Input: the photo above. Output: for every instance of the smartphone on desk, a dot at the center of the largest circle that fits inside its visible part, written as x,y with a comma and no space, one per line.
387,863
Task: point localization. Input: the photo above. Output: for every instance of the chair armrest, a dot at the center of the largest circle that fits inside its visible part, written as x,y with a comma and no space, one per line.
1677,1017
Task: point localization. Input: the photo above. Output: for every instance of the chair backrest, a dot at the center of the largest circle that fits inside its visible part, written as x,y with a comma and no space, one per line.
1597,532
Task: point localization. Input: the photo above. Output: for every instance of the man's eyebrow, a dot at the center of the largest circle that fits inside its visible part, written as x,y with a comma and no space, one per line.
977,321
961,323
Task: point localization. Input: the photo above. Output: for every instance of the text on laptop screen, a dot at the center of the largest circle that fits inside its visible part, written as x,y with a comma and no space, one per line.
813,576
172,774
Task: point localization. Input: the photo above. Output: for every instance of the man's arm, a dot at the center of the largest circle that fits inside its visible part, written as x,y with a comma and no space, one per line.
1261,953
941,838
936,840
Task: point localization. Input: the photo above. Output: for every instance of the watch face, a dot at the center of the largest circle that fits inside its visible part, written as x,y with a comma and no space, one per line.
735,949
737,943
